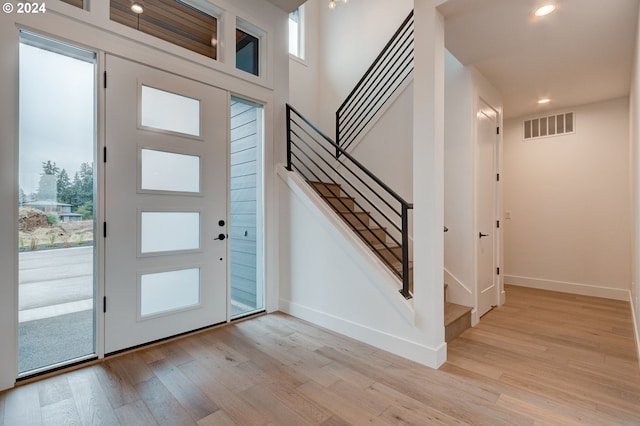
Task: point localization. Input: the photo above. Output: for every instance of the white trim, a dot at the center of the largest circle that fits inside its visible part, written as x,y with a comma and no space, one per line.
567,287
636,330
257,32
457,282
420,353
379,274
301,36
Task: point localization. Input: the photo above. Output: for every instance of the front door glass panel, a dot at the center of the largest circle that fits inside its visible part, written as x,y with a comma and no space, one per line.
169,171
169,291
164,110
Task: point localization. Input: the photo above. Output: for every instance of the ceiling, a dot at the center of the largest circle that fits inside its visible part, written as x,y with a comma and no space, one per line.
581,53
287,5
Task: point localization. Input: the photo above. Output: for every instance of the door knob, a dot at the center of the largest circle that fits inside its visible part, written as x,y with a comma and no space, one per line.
220,237
480,235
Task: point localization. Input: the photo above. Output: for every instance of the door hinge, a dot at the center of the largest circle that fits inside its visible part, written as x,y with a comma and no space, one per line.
497,177
104,304
105,79
497,224
498,270
104,154
104,229
497,128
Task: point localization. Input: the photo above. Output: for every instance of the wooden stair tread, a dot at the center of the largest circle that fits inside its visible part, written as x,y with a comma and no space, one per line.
360,227
453,312
360,221
380,246
345,197
318,183
351,213
398,265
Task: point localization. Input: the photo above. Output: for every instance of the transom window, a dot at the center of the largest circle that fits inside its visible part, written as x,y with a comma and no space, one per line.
175,22
296,32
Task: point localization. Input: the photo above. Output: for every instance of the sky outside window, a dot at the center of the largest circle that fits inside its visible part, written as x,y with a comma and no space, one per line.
56,113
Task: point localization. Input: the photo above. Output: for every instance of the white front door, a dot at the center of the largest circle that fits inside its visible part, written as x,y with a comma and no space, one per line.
165,205
486,209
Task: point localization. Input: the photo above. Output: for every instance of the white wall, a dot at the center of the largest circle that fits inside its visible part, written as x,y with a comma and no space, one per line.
329,277
634,156
348,40
568,197
428,168
304,73
94,30
459,182
386,149
335,60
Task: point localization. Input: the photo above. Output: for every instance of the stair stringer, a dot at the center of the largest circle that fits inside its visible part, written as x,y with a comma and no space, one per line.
459,293
343,286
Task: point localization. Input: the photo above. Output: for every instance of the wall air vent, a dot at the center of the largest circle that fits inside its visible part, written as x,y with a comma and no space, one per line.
552,125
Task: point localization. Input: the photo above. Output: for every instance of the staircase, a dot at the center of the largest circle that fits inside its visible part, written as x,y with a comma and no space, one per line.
375,212
457,318
364,226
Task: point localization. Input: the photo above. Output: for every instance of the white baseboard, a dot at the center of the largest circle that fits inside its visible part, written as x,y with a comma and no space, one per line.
431,357
567,287
636,331
475,318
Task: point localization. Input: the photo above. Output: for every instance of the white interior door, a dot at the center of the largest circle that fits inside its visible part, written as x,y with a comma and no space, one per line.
165,206
486,209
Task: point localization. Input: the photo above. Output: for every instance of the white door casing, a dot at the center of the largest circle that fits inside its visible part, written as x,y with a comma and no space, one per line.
486,213
165,200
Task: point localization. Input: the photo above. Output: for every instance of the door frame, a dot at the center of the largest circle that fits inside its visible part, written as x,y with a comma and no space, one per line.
69,24
497,202
123,93
261,249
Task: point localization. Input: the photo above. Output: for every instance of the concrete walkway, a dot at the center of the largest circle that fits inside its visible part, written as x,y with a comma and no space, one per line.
55,307
55,282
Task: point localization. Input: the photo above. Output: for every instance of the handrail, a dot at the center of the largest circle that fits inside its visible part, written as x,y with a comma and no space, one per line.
310,152
346,154
387,73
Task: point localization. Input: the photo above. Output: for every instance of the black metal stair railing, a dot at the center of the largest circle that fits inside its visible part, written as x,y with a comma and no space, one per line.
389,70
312,154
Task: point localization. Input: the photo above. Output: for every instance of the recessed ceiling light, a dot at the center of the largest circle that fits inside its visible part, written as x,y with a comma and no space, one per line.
137,8
544,101
545,9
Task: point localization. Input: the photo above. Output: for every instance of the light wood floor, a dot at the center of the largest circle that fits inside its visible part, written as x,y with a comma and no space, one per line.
543,358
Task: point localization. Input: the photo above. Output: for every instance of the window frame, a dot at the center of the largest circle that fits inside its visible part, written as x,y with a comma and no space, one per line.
254,31
300,38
